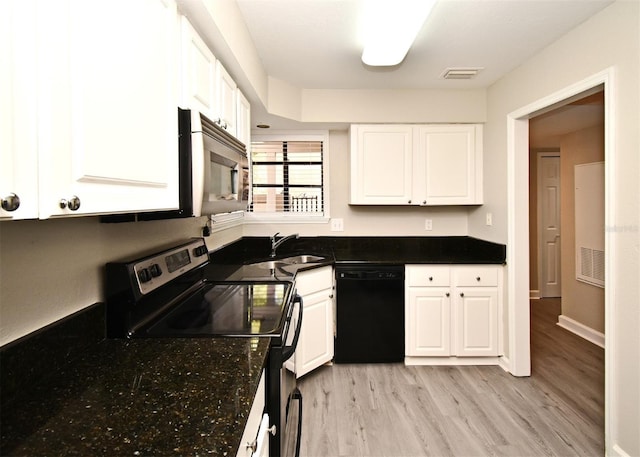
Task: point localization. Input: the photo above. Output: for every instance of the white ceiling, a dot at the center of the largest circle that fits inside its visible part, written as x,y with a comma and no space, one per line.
315,44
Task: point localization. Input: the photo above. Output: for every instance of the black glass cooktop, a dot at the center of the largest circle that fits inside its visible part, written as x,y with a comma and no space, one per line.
238,309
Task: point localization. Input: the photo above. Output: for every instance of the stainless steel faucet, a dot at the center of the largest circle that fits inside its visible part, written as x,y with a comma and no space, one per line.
275,244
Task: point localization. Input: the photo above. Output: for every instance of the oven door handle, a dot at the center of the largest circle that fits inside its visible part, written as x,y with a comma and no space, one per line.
287,351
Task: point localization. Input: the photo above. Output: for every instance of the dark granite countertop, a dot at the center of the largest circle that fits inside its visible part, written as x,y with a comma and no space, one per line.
235,260
134,397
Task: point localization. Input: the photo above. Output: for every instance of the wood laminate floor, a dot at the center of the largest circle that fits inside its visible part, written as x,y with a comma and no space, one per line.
395,410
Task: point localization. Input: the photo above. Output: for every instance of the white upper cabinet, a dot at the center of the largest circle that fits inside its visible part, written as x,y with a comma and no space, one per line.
94,94
448,167
198,73
416,164
226,90
243,128
208,88
381,163
18,140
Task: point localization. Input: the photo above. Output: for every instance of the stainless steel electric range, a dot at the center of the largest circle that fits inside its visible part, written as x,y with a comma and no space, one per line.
166,293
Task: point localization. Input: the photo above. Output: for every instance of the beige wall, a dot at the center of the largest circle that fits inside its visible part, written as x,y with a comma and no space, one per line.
369,220
580,301
50,269
610,39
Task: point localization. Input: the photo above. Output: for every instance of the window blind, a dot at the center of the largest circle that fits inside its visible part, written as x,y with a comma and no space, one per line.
286,177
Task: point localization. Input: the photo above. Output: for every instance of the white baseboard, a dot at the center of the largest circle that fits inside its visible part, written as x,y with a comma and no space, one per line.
581,330
619,452
534,295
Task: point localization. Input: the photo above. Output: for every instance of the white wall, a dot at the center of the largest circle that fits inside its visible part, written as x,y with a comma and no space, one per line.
609,39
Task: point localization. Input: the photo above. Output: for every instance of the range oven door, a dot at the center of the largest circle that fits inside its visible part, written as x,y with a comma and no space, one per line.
284,402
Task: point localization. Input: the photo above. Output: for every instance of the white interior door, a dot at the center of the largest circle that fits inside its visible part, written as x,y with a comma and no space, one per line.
549,224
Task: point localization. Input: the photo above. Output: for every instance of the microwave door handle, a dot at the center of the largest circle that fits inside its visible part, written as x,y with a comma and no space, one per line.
287,351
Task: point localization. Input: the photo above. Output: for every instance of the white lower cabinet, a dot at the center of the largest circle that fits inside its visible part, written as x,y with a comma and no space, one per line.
315,345
255,438
453,311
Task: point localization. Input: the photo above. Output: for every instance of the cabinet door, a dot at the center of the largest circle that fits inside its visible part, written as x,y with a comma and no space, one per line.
315,346
198,72
475,321
448,169
243,115
381,162
428,321
18,140
107,106
227,103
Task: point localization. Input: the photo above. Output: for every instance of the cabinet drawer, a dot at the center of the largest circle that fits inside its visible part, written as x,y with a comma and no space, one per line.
427,275
310,281
476,276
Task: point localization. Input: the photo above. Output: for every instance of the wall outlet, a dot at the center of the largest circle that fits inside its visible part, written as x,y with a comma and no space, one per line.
428,224
489,219
337,225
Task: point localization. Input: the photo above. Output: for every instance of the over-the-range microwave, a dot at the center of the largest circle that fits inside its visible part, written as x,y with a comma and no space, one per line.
213,172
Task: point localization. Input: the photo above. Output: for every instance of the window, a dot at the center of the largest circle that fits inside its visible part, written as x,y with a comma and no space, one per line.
287,175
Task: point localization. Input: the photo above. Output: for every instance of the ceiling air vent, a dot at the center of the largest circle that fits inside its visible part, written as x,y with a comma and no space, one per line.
461,73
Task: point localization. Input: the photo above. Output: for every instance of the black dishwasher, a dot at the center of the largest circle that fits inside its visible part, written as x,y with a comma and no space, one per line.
369,313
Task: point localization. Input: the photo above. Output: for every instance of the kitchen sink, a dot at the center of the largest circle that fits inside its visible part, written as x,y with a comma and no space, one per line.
288,261
301,259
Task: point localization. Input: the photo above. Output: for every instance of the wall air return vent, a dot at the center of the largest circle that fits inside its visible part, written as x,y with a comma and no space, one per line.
589,223
461,73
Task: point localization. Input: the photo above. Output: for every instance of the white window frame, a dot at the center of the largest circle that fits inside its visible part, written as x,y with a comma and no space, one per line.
295,135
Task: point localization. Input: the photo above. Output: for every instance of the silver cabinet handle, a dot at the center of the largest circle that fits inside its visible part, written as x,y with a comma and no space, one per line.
11,202
253,446
73,203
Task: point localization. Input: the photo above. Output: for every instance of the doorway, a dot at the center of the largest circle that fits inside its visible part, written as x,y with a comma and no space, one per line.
563,142
519,363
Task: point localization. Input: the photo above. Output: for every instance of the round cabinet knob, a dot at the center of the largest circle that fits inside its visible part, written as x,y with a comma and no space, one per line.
447,294
11,202
73,203
462,294
430,278
424,202
409,202
478,278
252,446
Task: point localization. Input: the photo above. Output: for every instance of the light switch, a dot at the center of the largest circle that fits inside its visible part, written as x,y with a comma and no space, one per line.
337,225
489,219
428,224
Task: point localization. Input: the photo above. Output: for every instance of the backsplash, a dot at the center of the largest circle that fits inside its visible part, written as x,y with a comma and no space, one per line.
35,357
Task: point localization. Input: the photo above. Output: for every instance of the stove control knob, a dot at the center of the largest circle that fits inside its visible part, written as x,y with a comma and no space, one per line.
200,251
144,275
155,270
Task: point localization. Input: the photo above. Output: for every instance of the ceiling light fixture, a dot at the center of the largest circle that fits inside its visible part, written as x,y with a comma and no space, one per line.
390,27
